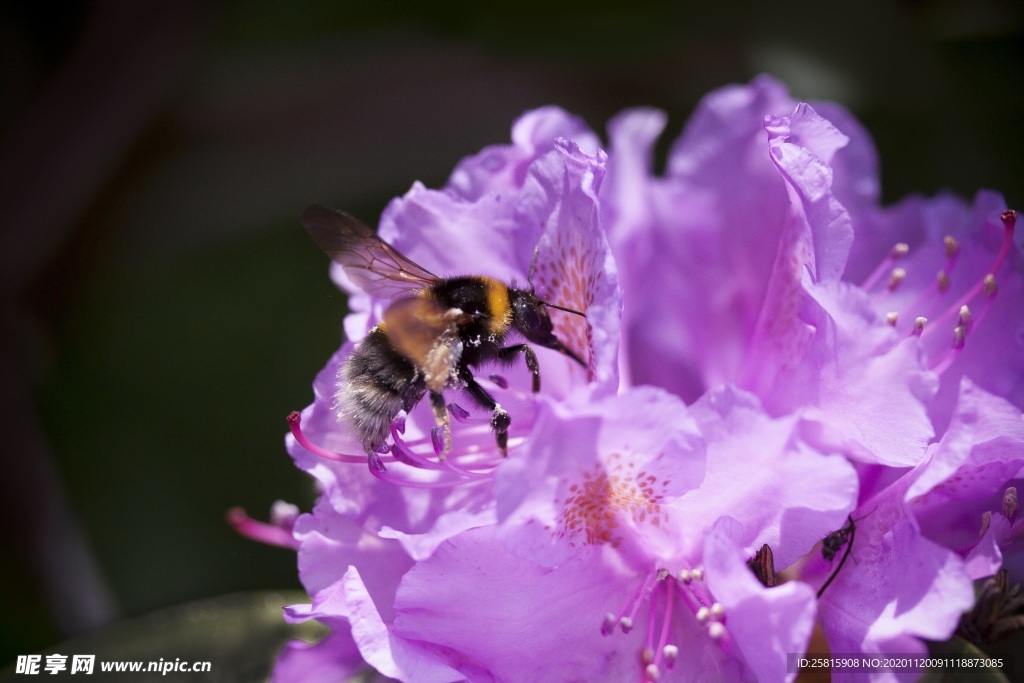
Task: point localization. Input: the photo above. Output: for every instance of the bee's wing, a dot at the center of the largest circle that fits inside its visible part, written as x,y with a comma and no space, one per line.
370,262
426,333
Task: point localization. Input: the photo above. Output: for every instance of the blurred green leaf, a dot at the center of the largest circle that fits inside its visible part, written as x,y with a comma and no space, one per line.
958,647
239,634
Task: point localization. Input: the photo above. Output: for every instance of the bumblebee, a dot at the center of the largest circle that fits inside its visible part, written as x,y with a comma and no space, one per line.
431,335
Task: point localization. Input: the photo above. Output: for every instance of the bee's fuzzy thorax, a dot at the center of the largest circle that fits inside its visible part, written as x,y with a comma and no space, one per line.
499,306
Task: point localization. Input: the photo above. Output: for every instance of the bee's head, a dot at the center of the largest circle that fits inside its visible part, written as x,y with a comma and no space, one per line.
530,317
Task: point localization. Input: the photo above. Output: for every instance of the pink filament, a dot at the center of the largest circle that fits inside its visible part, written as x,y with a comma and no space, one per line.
1009,219
666,620
294,418
271,534
634,602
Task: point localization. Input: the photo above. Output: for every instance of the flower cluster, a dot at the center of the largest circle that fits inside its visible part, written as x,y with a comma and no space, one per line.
777,368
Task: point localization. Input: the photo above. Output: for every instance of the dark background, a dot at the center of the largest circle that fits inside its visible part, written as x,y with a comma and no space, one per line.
162,308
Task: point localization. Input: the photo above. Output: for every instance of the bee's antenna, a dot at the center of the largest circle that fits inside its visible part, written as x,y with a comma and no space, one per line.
529,279
563,308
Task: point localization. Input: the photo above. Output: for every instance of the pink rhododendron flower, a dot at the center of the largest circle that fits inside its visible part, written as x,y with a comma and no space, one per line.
764,239
620,506
825,324
538,193
965,497
787,362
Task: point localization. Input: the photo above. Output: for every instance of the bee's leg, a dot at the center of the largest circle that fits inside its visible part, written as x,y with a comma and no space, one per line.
500,419
509,353
443,421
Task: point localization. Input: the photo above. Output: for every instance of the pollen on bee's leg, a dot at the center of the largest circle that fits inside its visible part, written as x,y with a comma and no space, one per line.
441,436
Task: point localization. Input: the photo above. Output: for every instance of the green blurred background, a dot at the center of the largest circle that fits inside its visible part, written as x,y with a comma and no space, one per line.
162,308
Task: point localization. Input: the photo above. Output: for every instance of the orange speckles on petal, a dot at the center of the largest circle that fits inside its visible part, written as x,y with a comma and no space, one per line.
592,511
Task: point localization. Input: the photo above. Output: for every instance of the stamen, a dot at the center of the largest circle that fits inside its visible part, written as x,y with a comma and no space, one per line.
666,621
499,381
997,612
987,284
410,457
965,319
376,466
457,411
475,468
986,521
645,590
891,318
657,649
897,276
897,252
465,417
405,454
487,473
271,534
1009,219
294,420
378,470
762,564
437,437
918,328
990,286
959,335
952,247
649,655
942,362
1010,506
942,281
631,606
